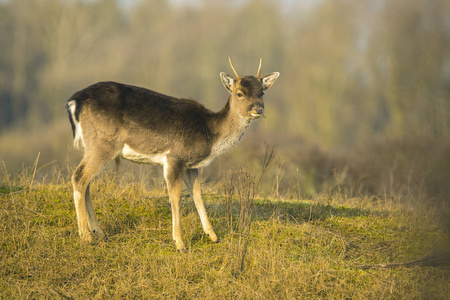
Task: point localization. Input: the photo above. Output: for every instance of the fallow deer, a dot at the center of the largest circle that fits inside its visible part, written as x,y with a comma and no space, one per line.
112,120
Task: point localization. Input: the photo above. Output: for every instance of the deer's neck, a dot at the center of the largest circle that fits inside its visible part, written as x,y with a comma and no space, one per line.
229,129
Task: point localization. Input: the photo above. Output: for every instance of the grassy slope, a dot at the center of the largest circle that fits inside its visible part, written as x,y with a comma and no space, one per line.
296,250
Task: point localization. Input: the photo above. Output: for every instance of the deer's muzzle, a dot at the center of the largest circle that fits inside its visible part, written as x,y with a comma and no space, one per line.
257,111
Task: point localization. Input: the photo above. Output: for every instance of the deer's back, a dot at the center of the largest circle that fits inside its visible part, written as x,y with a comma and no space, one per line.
143,119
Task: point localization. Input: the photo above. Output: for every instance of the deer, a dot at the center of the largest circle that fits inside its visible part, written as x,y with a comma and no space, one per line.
113,120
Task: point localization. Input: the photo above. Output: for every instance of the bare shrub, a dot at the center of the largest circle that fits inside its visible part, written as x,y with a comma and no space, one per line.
240,187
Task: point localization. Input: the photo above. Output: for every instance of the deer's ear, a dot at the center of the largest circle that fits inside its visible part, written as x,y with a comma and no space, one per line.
269,80
227,81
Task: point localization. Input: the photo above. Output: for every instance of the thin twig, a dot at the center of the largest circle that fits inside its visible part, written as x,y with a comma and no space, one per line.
61,294
35,168
427,261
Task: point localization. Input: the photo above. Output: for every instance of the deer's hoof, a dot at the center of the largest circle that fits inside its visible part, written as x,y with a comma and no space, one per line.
180,247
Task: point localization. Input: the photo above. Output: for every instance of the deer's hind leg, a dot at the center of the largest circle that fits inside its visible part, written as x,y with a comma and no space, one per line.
94,227
87,222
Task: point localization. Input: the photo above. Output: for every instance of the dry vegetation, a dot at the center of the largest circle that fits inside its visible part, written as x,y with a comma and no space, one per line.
328,247
350,72
356,206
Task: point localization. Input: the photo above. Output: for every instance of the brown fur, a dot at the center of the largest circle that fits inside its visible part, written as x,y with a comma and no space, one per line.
115,120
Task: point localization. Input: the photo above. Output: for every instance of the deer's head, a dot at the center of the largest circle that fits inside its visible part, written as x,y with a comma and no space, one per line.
247,92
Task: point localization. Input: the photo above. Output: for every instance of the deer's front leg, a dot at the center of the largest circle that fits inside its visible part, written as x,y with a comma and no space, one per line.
173,173
193,183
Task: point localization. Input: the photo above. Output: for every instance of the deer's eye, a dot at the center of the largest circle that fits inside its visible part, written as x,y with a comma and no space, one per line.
240,95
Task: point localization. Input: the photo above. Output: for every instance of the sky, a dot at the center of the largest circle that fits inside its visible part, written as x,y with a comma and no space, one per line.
285,3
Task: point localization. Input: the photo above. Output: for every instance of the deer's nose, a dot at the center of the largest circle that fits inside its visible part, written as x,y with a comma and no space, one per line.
259,110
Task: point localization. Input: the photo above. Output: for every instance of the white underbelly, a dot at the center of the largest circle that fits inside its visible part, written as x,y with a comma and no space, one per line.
132,155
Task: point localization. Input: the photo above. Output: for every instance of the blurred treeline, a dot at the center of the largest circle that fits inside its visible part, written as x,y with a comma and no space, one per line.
354,75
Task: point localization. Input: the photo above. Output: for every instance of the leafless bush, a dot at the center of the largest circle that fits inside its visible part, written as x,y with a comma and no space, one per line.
240,187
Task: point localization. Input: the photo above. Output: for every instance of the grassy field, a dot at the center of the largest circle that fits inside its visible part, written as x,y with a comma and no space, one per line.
329,247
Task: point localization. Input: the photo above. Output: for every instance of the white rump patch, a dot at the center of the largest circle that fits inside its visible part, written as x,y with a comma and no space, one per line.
78,141
157,158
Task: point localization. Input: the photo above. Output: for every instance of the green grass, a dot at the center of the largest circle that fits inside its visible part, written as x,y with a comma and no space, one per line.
324,248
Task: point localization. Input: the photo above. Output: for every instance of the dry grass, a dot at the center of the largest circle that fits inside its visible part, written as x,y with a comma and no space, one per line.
295,249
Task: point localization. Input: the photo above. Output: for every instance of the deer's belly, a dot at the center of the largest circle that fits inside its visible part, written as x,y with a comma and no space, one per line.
153,158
